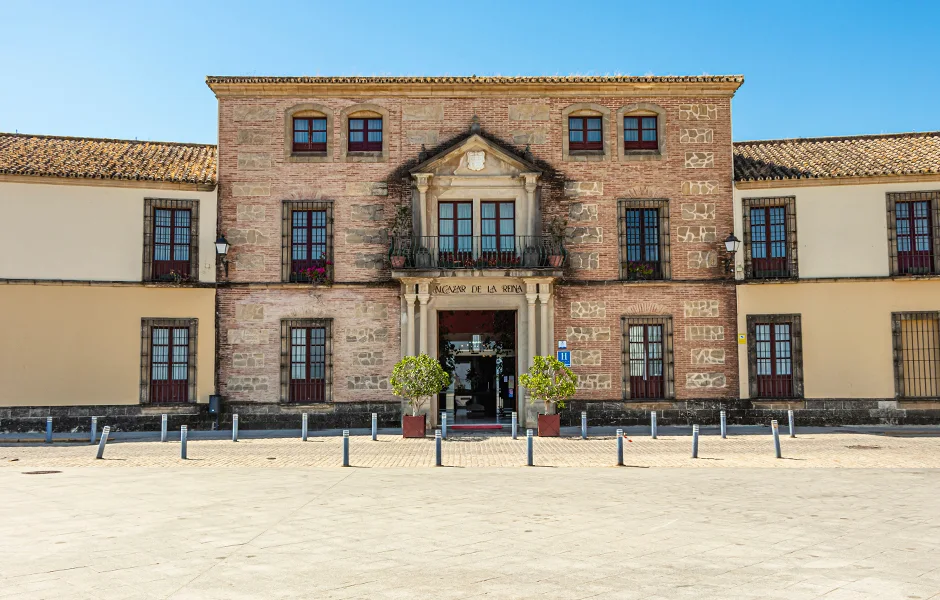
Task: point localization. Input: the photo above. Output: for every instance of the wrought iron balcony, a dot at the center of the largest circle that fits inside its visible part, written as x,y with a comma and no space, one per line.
477,252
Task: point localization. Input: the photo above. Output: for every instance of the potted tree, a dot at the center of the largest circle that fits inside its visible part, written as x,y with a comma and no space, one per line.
417,379
557,230
551,382
402,236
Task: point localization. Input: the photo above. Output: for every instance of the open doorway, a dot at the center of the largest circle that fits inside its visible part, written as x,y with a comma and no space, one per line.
478,349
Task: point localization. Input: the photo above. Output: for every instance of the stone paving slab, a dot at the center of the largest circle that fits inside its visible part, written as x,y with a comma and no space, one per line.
810,450
247,533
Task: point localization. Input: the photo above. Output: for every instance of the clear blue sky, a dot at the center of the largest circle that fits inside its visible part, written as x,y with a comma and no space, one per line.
129,69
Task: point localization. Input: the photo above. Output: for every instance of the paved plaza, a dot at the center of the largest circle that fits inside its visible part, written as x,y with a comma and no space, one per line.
841,516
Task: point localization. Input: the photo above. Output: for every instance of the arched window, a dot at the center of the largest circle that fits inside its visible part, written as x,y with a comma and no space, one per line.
308,133
364,134
586,135
641,132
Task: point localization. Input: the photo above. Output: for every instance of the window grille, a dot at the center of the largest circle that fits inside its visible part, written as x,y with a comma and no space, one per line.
770,248
306,239
644,239
914,233
916,354
307,360
168,361
647,358
775,356
171,240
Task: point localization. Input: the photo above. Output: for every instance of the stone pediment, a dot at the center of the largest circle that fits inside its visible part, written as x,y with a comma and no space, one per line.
473,157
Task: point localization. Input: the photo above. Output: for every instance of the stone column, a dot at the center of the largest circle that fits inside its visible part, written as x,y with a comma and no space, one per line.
527,218
409,328
422,182
531,296
545,294
423,297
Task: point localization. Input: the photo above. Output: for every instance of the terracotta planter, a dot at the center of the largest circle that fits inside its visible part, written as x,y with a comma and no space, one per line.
398,262
414,427
555,260
549,425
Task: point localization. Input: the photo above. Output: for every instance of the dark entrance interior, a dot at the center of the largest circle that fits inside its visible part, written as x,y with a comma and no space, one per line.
478,349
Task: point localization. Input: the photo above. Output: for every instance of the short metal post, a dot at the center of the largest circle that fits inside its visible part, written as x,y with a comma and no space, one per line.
653,424
583,424
48,430
515,424
444,424
162,428
724,425
528,442
303,428
620,447
183,431
94,429
695,441
792,429
235,428
776,432
375,426
345,447
437,448
104,440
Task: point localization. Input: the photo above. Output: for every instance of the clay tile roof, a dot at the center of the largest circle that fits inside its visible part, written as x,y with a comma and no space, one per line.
833,157
485,80
94,158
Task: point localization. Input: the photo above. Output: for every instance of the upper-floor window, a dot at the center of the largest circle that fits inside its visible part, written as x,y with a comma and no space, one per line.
365,135
775,357
170,240
770,238
585,133
168,360
640,133
916,354
914,232
455,233
644,239
498,221
647,358
307,243
306,360
309,134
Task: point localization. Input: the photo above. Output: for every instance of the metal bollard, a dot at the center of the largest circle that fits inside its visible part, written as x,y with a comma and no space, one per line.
303,428
437,448
724,425
515,424
653,424
375,427
444,424
235,428
94,429
104,440
792,429
163,428
183,431
345,447
620,447
48,430
528,441
583,424
695,441
776,432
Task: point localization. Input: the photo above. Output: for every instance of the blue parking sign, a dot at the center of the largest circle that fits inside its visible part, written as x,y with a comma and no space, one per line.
564,357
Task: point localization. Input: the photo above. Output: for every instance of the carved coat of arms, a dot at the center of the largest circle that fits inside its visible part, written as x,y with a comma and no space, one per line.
475,160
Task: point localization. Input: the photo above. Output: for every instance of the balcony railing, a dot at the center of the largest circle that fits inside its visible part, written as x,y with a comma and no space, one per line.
477,252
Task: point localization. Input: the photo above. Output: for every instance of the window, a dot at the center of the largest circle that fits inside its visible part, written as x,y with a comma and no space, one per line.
640,133
168,361
770,238
914,232
365,135
916,354
498,220
455,231
171,240
307,242
309,134
585,133
775,358
647,358
644,239
306,360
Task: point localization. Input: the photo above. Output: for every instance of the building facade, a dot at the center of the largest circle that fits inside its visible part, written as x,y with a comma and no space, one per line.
107,275
481,221
839,295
